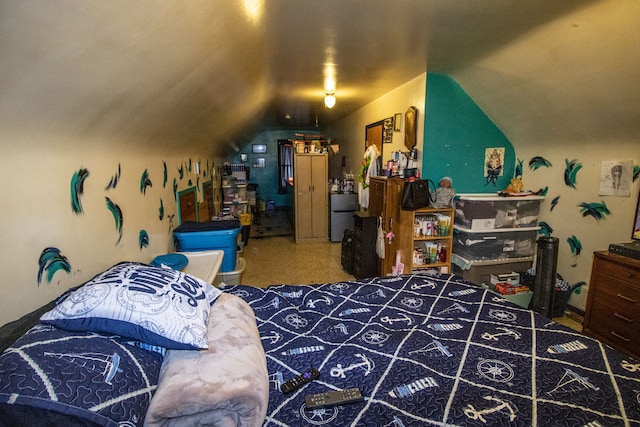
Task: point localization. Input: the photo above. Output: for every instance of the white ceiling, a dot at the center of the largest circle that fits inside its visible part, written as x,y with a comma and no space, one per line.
209,73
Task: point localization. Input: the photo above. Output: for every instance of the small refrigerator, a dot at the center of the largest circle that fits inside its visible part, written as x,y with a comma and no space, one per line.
341,209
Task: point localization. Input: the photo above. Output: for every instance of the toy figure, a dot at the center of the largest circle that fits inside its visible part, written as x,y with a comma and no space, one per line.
515,186
444,193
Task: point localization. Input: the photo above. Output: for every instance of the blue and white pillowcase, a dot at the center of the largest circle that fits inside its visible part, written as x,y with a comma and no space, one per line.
155,305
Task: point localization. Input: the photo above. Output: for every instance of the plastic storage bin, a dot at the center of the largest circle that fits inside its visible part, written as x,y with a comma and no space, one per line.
234,193
495,244
232,277
488,211
204,236
235,208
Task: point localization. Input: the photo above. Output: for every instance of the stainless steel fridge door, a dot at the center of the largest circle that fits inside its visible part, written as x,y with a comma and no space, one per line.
338,222
343,202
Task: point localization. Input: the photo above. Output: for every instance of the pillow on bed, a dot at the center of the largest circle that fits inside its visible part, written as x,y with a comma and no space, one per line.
155,305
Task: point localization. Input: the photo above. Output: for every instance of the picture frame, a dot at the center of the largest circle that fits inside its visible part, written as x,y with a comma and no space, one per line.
397,122
258,148
387,136
374,133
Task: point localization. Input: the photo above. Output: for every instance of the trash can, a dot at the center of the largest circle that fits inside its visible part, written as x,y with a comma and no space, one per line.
561,293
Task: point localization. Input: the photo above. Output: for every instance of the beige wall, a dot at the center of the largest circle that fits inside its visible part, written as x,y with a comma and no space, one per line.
349,132
566,218
36,177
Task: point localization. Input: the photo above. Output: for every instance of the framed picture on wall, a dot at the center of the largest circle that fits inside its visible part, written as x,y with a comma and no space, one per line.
259,148
397,122
387,136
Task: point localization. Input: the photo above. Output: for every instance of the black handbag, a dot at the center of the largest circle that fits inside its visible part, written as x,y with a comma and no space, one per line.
416,194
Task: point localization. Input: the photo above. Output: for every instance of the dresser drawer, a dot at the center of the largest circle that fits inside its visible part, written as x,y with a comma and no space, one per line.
626,273
615,327
616,292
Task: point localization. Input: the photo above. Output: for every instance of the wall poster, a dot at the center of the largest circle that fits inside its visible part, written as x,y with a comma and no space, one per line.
493,164
616,177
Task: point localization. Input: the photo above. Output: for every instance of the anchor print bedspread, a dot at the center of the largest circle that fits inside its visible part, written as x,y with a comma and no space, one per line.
435,350
52,377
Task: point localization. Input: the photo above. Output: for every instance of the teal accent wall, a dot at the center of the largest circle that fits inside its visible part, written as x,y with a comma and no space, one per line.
456,134
267,177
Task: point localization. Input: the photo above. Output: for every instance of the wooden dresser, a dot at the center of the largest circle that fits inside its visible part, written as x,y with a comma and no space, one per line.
613,304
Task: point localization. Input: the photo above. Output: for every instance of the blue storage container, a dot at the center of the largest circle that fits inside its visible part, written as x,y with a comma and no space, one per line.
204,236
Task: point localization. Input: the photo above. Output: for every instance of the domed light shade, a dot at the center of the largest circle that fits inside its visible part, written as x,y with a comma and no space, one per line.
330,100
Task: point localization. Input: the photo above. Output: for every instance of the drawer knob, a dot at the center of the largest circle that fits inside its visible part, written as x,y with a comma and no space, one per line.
625,339
620,316
626,298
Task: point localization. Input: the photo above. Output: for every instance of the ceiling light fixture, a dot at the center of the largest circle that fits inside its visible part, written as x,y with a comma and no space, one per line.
330,100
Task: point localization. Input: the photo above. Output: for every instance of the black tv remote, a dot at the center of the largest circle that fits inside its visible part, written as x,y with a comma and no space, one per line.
333,398
300,380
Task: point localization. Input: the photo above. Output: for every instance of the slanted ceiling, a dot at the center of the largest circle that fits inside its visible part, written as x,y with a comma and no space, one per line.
212,73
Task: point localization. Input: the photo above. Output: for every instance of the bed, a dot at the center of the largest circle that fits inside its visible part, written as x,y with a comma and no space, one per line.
424,349
435,350
136,345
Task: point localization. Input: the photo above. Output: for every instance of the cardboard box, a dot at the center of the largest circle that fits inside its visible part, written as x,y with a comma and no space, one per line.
512,278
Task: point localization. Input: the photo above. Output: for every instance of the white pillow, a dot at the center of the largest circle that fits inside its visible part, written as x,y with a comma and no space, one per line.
154,305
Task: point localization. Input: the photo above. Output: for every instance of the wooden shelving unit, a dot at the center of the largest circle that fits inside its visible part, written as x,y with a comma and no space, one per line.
411,239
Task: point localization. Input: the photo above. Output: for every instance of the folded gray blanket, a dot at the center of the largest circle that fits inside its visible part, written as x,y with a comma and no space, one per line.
225,385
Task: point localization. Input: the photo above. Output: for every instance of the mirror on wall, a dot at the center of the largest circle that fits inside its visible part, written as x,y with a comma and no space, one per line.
374,134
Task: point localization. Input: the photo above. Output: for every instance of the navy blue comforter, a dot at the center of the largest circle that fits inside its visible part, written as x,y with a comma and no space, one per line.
435,350
52,377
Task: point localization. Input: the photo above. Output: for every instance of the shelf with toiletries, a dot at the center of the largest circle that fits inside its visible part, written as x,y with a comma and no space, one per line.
425,238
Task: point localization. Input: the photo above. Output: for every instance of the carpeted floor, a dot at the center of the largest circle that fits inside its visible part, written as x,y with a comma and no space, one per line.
276,224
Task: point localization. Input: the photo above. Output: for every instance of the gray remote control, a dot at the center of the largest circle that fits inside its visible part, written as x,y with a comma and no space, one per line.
333,398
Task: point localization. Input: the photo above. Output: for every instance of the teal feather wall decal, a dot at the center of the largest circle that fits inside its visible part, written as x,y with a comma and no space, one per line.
161,210
77,189
570,172
545,229
143,239
598,211
190,184
51,261
145,182
554,202
539,162
518,171
190,166
165,174
543,191
114,180
175,185
575,245
117,216
576,248
181,172
636,172
171,217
